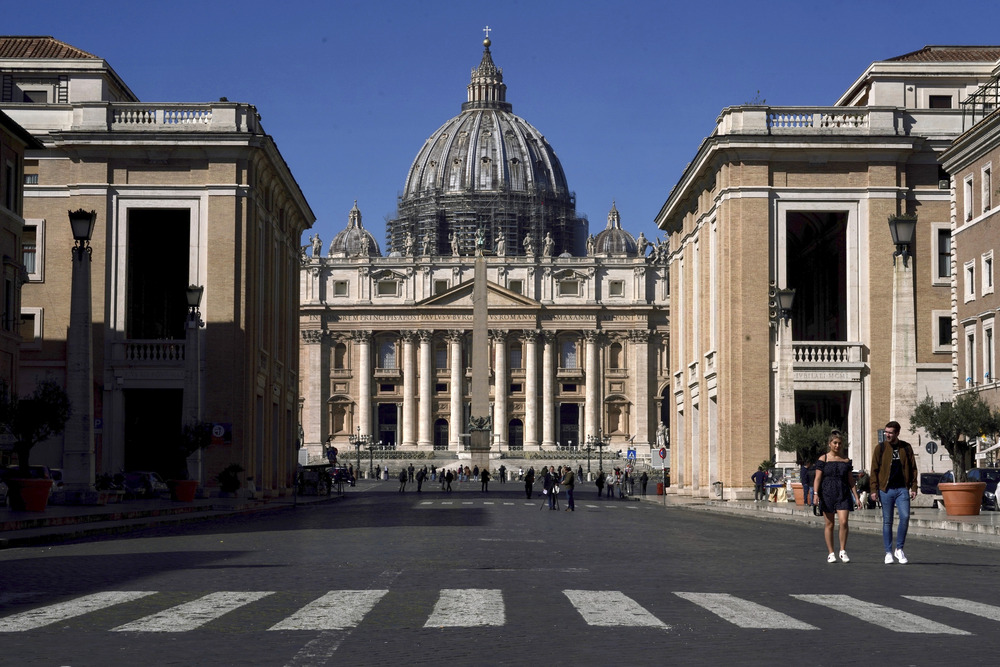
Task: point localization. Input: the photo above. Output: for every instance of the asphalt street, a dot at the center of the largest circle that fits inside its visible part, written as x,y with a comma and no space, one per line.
470,578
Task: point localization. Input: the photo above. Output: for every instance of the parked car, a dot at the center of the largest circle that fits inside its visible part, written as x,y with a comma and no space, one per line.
991,476
929,481
142,484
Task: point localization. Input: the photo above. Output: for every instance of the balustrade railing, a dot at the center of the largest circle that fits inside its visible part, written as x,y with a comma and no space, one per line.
154,351
825,353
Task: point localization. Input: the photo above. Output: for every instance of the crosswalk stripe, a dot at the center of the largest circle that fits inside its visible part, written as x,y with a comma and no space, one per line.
980,609
337,610
467,608
886,617
611,609
744,613
37,618
194,614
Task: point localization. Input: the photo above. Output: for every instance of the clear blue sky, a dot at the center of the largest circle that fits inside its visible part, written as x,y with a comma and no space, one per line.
623,91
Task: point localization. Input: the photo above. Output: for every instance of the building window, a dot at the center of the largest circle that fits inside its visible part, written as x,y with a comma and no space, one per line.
31,179
970,357
615,356
514,356
616,288
985,188
989,355
440,356
941,329
567,354
939,101
387,354
941,247
387,288
517,286
987,270
440,286
967,199
516,388
970,281
569,287
441,387
569,388
340,356
10,317
10,186
340,288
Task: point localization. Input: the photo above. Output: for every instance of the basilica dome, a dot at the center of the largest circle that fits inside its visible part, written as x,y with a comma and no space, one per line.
614,240
355,240
488,168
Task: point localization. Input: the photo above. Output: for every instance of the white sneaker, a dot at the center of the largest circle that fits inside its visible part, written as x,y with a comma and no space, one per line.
832,558
843,557
901,557
888,558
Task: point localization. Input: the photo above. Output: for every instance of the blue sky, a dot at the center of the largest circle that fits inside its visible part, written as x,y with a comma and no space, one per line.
623,91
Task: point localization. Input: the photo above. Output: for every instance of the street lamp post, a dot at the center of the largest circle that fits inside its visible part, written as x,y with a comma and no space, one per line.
78,454
589,448
193,366
355,440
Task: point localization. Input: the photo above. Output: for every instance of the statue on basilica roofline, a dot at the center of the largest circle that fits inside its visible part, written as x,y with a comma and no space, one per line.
591,246
642,243
427,245
501,245
408,245
529,248
453,238
547,245
317,245
480,241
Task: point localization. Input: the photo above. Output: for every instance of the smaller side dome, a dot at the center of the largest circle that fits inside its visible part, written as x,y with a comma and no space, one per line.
355,240
614,240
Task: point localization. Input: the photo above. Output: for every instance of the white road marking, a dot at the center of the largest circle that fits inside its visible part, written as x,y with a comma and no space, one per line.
968,606
37,618
466,502
488,502
611,609
508,503
426,502
744,613
194,614
886,617
467,608
319,650
446,502
337,610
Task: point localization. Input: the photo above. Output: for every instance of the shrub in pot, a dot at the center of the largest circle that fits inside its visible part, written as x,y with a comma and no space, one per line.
229,478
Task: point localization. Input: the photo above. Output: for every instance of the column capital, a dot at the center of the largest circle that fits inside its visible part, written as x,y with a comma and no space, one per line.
639,335
592,335
549,336
362,336
454,335
426,335
312,335
499,335
409,336
530,335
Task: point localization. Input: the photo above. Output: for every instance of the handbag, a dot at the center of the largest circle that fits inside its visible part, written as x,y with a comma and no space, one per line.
816,510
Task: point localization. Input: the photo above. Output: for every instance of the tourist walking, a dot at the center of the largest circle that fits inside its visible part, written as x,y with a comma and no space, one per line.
643,480
402,480
894,477
600,483
529,482
448,479
568,480
835,493
548,486
484,477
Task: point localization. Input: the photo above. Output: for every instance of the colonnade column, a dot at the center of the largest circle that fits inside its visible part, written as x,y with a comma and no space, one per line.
364,373
530,390
457,390
409,439
424,437
643,387
315,380
549,391
593,392
500,382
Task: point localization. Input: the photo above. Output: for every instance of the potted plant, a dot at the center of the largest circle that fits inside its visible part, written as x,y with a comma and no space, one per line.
808,443
956,424
193,437
229,479
31,419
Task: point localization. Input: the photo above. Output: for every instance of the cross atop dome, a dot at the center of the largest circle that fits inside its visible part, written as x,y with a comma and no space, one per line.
486,89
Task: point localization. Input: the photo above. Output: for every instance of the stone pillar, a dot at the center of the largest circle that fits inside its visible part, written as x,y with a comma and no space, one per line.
500,382
549,390
645,420
313,400
455,425
425,427
78,461
784,382
903,388
593,391
409,438
530,390
363,339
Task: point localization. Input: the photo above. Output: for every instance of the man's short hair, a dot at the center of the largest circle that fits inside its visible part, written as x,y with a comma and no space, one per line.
894,425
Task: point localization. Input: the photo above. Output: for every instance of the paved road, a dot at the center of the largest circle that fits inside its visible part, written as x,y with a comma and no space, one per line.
471,579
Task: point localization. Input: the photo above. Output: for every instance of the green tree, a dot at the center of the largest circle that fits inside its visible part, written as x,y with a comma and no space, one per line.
33,418
808,442
193,437
956,424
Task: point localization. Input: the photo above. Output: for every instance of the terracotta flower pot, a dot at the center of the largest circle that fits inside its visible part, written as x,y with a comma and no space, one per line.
962,498
182,490
29,495
797,492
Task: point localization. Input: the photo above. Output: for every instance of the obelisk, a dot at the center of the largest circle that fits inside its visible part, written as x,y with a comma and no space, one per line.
480,420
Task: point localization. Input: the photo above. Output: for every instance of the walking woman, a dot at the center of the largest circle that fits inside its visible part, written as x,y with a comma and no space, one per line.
835,492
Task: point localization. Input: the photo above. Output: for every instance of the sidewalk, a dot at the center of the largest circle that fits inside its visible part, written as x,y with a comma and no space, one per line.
982,530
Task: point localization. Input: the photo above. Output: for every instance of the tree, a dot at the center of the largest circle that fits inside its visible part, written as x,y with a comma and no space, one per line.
194,437
33,418
808,442
956,424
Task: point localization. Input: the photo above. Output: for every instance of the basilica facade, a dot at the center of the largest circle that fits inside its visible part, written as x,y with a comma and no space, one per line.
577,323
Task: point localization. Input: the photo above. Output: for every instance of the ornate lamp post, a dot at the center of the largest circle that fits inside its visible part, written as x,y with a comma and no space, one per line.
193,366
355,441
78,454
589,448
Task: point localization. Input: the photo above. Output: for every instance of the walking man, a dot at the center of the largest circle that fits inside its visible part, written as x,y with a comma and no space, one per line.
568,481
403,477
894,476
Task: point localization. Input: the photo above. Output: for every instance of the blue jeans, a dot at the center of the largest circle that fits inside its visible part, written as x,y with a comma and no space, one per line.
900,498
808,494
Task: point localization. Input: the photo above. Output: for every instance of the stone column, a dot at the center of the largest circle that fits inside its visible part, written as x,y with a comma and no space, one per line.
784,382
313,400
903,390
455,425
530,390
549,390
593,392
645,425
363,339
78,462
500,382
425,428
409,438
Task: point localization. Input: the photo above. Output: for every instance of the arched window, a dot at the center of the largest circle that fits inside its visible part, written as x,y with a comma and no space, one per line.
615,355
567,353
387,353
340,356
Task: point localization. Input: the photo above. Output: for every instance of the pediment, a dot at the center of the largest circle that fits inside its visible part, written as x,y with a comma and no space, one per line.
497,296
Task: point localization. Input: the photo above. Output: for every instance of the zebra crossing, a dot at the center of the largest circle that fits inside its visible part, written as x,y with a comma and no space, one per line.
467,608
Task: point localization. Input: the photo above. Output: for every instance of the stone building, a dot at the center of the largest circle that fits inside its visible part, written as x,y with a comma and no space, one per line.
184,195
972,162
577,325
798,198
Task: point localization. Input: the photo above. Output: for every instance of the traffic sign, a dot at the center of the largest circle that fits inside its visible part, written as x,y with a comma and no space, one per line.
663,452
630,455
931,447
